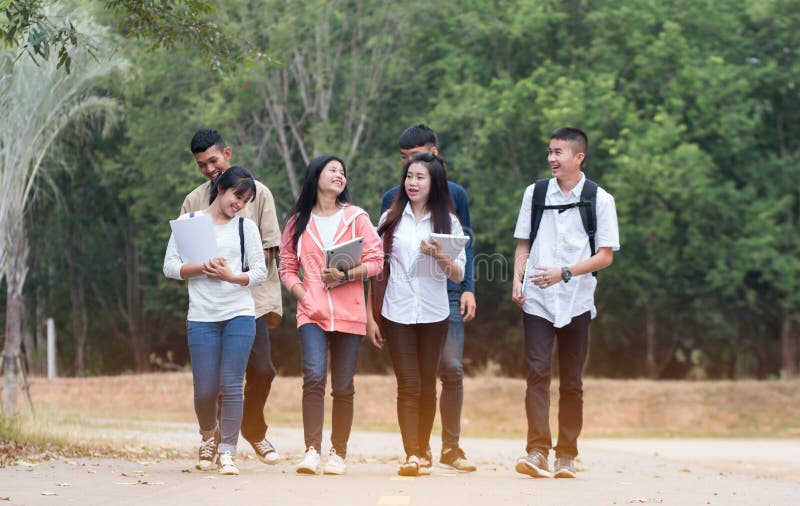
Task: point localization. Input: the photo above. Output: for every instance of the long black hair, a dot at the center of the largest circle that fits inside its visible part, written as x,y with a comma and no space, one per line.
238,178
439,202
308,194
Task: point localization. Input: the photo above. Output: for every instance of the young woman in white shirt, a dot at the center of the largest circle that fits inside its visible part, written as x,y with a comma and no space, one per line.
413,317
221,320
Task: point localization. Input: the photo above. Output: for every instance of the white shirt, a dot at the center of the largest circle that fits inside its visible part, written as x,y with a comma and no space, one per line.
417,287
562,240
327,225
212,300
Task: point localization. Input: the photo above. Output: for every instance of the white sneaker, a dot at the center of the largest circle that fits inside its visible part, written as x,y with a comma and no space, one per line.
310,463
335,464
226,465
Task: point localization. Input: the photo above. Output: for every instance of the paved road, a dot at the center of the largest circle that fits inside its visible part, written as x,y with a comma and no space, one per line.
611,471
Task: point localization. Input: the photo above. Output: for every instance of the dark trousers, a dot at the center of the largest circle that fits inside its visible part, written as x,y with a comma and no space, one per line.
343,348
451,373
259,375
573,342
415,351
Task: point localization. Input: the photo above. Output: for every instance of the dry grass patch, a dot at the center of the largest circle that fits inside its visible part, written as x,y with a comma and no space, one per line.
493,407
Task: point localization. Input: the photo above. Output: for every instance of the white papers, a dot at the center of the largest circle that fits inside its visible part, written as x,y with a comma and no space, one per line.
426,265
195,239
451,244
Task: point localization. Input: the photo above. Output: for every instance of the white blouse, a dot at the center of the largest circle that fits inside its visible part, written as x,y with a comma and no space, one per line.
417,287
212,300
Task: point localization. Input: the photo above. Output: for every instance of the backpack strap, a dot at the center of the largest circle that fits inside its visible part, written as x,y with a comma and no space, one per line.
538,206
587,206
245,267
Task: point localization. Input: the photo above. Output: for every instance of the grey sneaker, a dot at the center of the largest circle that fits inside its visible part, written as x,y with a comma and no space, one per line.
564,467
534,464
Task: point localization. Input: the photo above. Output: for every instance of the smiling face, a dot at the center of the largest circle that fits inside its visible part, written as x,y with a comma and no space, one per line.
230,203
564,162
332,179
213,161
418,183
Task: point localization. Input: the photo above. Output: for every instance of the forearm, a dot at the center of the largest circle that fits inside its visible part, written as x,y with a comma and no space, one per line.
452,270
191,270
596,262
521,254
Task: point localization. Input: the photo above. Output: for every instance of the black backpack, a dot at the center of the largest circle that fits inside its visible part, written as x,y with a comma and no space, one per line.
587,205
245,267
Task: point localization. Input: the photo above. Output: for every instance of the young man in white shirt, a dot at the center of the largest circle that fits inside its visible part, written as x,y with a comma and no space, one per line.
554,285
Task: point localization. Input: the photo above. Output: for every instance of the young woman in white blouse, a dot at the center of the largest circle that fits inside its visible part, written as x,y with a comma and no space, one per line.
413,316
221,320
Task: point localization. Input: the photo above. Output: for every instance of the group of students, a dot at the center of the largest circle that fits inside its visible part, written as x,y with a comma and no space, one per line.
416,313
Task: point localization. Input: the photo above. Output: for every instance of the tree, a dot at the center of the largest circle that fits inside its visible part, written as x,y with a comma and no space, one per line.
39,102
39,30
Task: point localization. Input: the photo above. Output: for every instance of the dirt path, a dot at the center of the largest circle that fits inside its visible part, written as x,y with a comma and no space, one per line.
612,471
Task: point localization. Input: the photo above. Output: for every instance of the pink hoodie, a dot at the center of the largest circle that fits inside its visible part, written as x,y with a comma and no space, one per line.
340,309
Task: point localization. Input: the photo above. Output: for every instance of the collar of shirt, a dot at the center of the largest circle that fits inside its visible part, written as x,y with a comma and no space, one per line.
576,192
410,212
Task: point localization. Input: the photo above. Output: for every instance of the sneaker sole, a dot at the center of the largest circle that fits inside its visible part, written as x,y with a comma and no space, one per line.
450,467
268,459
524,467
229,472
210,466
307,470
333,472
410,470
564,473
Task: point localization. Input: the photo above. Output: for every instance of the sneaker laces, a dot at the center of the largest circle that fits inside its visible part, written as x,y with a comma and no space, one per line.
207,449
263,447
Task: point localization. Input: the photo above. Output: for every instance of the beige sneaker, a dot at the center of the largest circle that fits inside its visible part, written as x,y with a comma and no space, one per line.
454,458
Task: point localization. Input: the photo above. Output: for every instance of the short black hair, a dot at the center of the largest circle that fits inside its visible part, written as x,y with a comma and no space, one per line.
575,136
416,136
204,139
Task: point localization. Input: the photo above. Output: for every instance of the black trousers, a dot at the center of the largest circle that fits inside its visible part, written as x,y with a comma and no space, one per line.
415,351
573,343
258,382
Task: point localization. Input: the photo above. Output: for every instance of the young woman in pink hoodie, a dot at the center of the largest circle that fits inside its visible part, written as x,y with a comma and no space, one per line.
329,319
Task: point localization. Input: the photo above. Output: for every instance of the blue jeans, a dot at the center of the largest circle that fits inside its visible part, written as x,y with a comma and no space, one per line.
315,344
451,373
219,352
573,344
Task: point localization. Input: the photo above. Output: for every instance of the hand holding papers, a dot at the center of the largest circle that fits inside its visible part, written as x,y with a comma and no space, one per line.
451,246
195,239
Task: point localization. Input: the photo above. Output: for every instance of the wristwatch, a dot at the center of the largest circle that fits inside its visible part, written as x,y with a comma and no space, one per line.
346,274
566,274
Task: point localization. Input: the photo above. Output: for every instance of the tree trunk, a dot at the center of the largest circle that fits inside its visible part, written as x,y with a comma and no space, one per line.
15,273
80,323
12,345
650,336
788,347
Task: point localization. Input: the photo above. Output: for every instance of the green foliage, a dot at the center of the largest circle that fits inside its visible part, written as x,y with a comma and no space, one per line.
692,110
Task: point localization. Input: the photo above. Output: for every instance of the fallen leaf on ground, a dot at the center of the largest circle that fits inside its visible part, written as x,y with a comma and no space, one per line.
47,492
63,484
646,500
5,498
186,471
